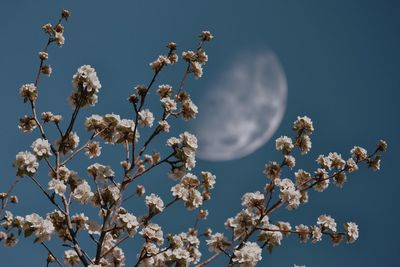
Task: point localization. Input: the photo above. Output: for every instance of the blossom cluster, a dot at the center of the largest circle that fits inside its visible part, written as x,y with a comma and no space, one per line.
100,186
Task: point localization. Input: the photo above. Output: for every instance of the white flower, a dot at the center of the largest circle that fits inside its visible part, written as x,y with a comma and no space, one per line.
125,131
82,193
209,179
58,186
248,255
325,162
242,223
26,163
173,141
193,199
316,234
80,221
327,222
304,143
189,55
323,181
181,254
94,122
168,104
93,149
216,242
351,231
303,124
284,144
351,165
164,91
43,228
71,257
272,170
129,221
146,118
206,36
197,69
159,63
253,200
153,232
336,161
284,227
189,140
187,191
63,173
302,178
68,143
154,203
164,126
289,194
290,161
86,86
303,231
273,235
189,110
59,38
86,79
359,153
99,171
28,92
41,148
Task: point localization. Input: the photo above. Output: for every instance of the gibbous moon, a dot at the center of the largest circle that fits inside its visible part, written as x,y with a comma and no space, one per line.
241,111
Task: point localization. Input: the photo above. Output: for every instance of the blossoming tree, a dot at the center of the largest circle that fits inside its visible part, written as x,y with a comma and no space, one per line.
248,233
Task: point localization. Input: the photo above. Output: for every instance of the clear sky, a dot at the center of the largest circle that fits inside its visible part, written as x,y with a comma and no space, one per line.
341,59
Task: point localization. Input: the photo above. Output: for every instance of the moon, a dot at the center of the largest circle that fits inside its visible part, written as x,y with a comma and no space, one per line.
243,108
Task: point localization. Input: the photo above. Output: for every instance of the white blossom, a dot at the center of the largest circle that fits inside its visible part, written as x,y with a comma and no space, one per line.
28,92
93,149
41,148
71,258
284,144
351,231
146,118
82,193
248,255
58,186
327,222
42,228
128,221
303,124
216,242
359,153
26,163
99,171
154,203
69,143
86,79
153,232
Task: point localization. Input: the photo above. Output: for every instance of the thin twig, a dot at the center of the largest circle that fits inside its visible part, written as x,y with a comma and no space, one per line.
51,253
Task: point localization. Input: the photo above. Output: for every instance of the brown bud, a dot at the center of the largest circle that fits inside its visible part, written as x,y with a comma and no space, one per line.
140,190
65,14
59,28
172,46
133,99
382,145
50,258
43,55
46,70
14,199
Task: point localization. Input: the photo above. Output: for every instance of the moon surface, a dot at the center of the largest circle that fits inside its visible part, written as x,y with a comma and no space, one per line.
242,110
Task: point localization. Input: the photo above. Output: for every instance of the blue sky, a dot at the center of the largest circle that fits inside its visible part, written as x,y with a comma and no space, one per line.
341,60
